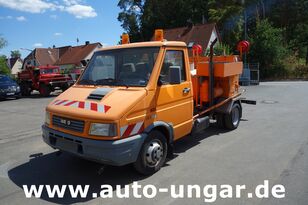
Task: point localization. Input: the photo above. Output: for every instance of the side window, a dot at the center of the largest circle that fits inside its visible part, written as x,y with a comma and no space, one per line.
172,58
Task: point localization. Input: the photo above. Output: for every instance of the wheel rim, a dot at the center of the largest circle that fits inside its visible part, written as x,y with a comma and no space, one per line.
235,116
154,153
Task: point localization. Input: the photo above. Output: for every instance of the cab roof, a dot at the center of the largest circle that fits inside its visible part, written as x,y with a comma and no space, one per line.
147,44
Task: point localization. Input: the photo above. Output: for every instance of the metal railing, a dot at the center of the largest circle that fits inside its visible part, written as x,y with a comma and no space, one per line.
251,74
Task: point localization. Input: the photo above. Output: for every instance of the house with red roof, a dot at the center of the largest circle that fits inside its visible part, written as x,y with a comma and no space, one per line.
202,34
76,56
67,57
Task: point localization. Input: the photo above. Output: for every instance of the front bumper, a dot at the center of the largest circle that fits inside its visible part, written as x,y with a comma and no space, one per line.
59,83
116,152
10,94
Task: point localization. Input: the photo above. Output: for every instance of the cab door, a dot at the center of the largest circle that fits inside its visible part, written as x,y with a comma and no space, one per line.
175,101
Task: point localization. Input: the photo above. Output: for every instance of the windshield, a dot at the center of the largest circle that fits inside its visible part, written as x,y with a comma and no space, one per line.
5,79
49,71
120,67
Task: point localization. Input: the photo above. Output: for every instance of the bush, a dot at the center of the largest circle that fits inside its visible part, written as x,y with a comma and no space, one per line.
277,71
300,71
267,48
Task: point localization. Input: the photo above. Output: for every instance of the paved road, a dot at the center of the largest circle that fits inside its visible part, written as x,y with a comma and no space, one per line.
270,144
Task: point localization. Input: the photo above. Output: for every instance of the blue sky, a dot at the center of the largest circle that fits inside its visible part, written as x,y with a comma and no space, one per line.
44,23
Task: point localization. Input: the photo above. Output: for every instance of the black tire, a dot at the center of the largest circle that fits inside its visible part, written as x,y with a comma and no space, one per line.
232,120
44,90
220,120
153,153
25,89
64,87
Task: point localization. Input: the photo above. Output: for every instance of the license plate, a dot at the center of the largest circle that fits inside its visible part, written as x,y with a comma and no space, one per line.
67,145
10,93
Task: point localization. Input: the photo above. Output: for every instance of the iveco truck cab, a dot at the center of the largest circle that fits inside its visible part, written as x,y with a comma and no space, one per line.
134,100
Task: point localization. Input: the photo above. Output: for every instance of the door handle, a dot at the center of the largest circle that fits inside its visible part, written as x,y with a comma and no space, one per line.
186,90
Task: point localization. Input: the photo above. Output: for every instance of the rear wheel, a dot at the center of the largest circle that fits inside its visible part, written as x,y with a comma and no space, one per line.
44,90
25,89
220,120
153,154
232,120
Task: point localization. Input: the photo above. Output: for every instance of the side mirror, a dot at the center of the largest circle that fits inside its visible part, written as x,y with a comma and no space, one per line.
175,75
84,62
159,82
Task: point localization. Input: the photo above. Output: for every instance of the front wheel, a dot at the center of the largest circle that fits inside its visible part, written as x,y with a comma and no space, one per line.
64,87
153,154
232,120
44,90
25,89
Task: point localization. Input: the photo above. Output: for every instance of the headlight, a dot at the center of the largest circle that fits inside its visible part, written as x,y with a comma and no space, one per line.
47,118
18,89
12,88
108,130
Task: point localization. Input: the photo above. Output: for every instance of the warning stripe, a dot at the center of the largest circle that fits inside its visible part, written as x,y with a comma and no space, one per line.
132,129
94,106
70,103
82,105
137,128
54,102
128,130
106,108
61,102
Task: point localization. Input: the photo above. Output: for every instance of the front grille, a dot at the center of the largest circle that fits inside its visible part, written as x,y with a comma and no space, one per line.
8,89
69,124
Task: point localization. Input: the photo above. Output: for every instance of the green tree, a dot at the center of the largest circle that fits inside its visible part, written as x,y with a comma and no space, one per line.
4,69
274,28
140,18
15,54
268,49
3,42
171,14
293,17
130,17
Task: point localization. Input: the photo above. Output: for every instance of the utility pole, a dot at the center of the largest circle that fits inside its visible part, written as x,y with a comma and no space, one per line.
245,30
32,54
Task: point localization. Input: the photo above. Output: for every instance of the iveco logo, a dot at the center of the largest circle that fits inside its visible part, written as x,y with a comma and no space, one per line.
65,122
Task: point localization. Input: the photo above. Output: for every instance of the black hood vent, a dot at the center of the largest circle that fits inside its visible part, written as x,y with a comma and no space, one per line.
99,93
95,97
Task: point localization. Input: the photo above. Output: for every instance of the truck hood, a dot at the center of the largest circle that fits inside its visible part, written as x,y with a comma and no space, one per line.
96,103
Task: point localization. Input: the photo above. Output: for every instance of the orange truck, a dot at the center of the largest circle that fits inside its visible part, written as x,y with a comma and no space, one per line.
134,100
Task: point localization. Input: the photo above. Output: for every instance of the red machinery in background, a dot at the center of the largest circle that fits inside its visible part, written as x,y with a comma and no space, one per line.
44,79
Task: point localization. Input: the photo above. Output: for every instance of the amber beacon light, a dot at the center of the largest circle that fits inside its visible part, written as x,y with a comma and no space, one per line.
159,35
125,38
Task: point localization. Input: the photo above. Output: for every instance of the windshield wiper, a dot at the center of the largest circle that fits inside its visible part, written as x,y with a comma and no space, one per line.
108,81
123,84
86,82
